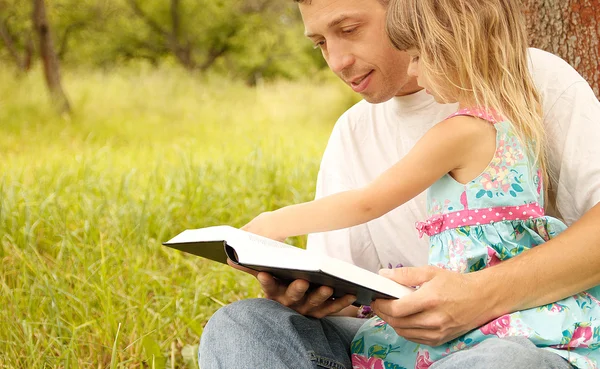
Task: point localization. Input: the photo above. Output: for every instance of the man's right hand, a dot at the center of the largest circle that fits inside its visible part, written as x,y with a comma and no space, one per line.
317,303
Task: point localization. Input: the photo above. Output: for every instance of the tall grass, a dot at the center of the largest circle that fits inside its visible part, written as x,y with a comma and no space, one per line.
85,203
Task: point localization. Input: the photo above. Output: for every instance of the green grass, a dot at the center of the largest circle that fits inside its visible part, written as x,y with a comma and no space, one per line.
85,203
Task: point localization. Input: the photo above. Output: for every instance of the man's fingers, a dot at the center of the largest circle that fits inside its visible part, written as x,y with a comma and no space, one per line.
331,306
410,276
296,290
428,337
269,285
319,297
423,320
318,303
341,303
403,307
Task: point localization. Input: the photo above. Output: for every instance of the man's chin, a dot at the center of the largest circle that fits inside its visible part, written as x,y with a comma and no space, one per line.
375,98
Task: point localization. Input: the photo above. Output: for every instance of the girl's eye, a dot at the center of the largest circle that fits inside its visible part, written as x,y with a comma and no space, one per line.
414,59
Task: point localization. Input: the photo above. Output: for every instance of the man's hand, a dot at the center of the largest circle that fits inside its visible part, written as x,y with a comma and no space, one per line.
445,306
317,303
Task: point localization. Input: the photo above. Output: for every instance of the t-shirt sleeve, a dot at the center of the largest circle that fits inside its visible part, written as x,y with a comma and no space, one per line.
352,244
573,123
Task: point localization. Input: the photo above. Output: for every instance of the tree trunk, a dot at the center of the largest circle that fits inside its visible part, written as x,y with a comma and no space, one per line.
49,58
569,29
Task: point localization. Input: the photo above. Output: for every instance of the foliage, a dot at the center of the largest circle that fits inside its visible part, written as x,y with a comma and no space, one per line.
85,204
246,39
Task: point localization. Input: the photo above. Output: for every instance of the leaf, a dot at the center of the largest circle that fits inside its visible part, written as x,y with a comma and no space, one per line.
479,233
490,194
377,351
480,194
388,365
480,264
113,357
513,193
358,347
567,335
517,188
153,353
193,324
465,231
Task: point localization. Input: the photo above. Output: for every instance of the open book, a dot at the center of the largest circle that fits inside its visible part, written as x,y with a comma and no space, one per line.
286,262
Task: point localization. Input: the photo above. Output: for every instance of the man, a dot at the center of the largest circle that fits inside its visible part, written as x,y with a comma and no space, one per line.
282,332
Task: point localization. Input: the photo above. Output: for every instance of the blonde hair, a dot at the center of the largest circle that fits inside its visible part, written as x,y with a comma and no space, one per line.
479,47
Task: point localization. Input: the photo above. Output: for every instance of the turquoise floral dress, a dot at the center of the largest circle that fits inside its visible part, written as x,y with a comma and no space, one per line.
472,226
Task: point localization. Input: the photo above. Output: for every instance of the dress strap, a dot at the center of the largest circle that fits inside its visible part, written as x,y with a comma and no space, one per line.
486,114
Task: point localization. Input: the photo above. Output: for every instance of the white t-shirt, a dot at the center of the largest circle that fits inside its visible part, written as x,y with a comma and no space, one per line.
370,138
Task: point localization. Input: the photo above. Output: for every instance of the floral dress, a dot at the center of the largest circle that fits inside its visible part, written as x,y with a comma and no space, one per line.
472,226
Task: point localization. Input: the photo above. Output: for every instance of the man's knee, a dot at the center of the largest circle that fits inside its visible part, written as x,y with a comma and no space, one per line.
238,324
245,312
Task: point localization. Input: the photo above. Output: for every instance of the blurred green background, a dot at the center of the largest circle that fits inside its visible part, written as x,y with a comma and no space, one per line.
153,145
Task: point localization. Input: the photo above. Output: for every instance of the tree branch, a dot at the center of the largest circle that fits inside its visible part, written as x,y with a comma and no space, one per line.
149,21
10,44
62,50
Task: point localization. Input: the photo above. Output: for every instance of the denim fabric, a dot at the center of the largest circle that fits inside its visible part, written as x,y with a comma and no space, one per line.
503,353
260,333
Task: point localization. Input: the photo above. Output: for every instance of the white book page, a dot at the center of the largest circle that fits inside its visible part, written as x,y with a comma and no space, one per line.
293,258
233,236
248,246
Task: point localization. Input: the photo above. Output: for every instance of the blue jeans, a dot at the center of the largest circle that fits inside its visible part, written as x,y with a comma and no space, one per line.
261,333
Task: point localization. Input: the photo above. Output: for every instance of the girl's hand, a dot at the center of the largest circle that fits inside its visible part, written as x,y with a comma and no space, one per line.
265,225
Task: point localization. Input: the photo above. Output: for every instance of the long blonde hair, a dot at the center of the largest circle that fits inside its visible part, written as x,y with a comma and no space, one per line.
480,48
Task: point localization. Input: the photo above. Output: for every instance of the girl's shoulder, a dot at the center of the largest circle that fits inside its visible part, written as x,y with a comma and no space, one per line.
465,125
489,115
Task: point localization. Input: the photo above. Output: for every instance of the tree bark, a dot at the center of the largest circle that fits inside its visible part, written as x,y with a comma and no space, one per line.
49,58
569,29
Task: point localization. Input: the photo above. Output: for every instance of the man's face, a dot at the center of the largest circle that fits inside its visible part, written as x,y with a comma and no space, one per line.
351,35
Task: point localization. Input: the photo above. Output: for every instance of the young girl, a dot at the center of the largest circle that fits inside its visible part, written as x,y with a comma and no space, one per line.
486,170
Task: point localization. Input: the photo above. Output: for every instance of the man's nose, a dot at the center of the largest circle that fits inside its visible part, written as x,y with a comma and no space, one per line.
339,58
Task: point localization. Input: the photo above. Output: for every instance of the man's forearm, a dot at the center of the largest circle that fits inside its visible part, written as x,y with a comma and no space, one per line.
559,268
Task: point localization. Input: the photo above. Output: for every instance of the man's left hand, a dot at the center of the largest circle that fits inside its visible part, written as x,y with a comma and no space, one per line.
445,306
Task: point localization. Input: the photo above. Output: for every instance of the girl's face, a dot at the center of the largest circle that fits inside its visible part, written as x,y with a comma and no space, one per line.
439,91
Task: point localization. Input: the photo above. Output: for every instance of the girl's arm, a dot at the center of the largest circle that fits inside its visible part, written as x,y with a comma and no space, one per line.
447,146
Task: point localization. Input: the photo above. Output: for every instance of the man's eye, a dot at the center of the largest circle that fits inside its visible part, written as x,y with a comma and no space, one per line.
349,30
319,44
414,59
